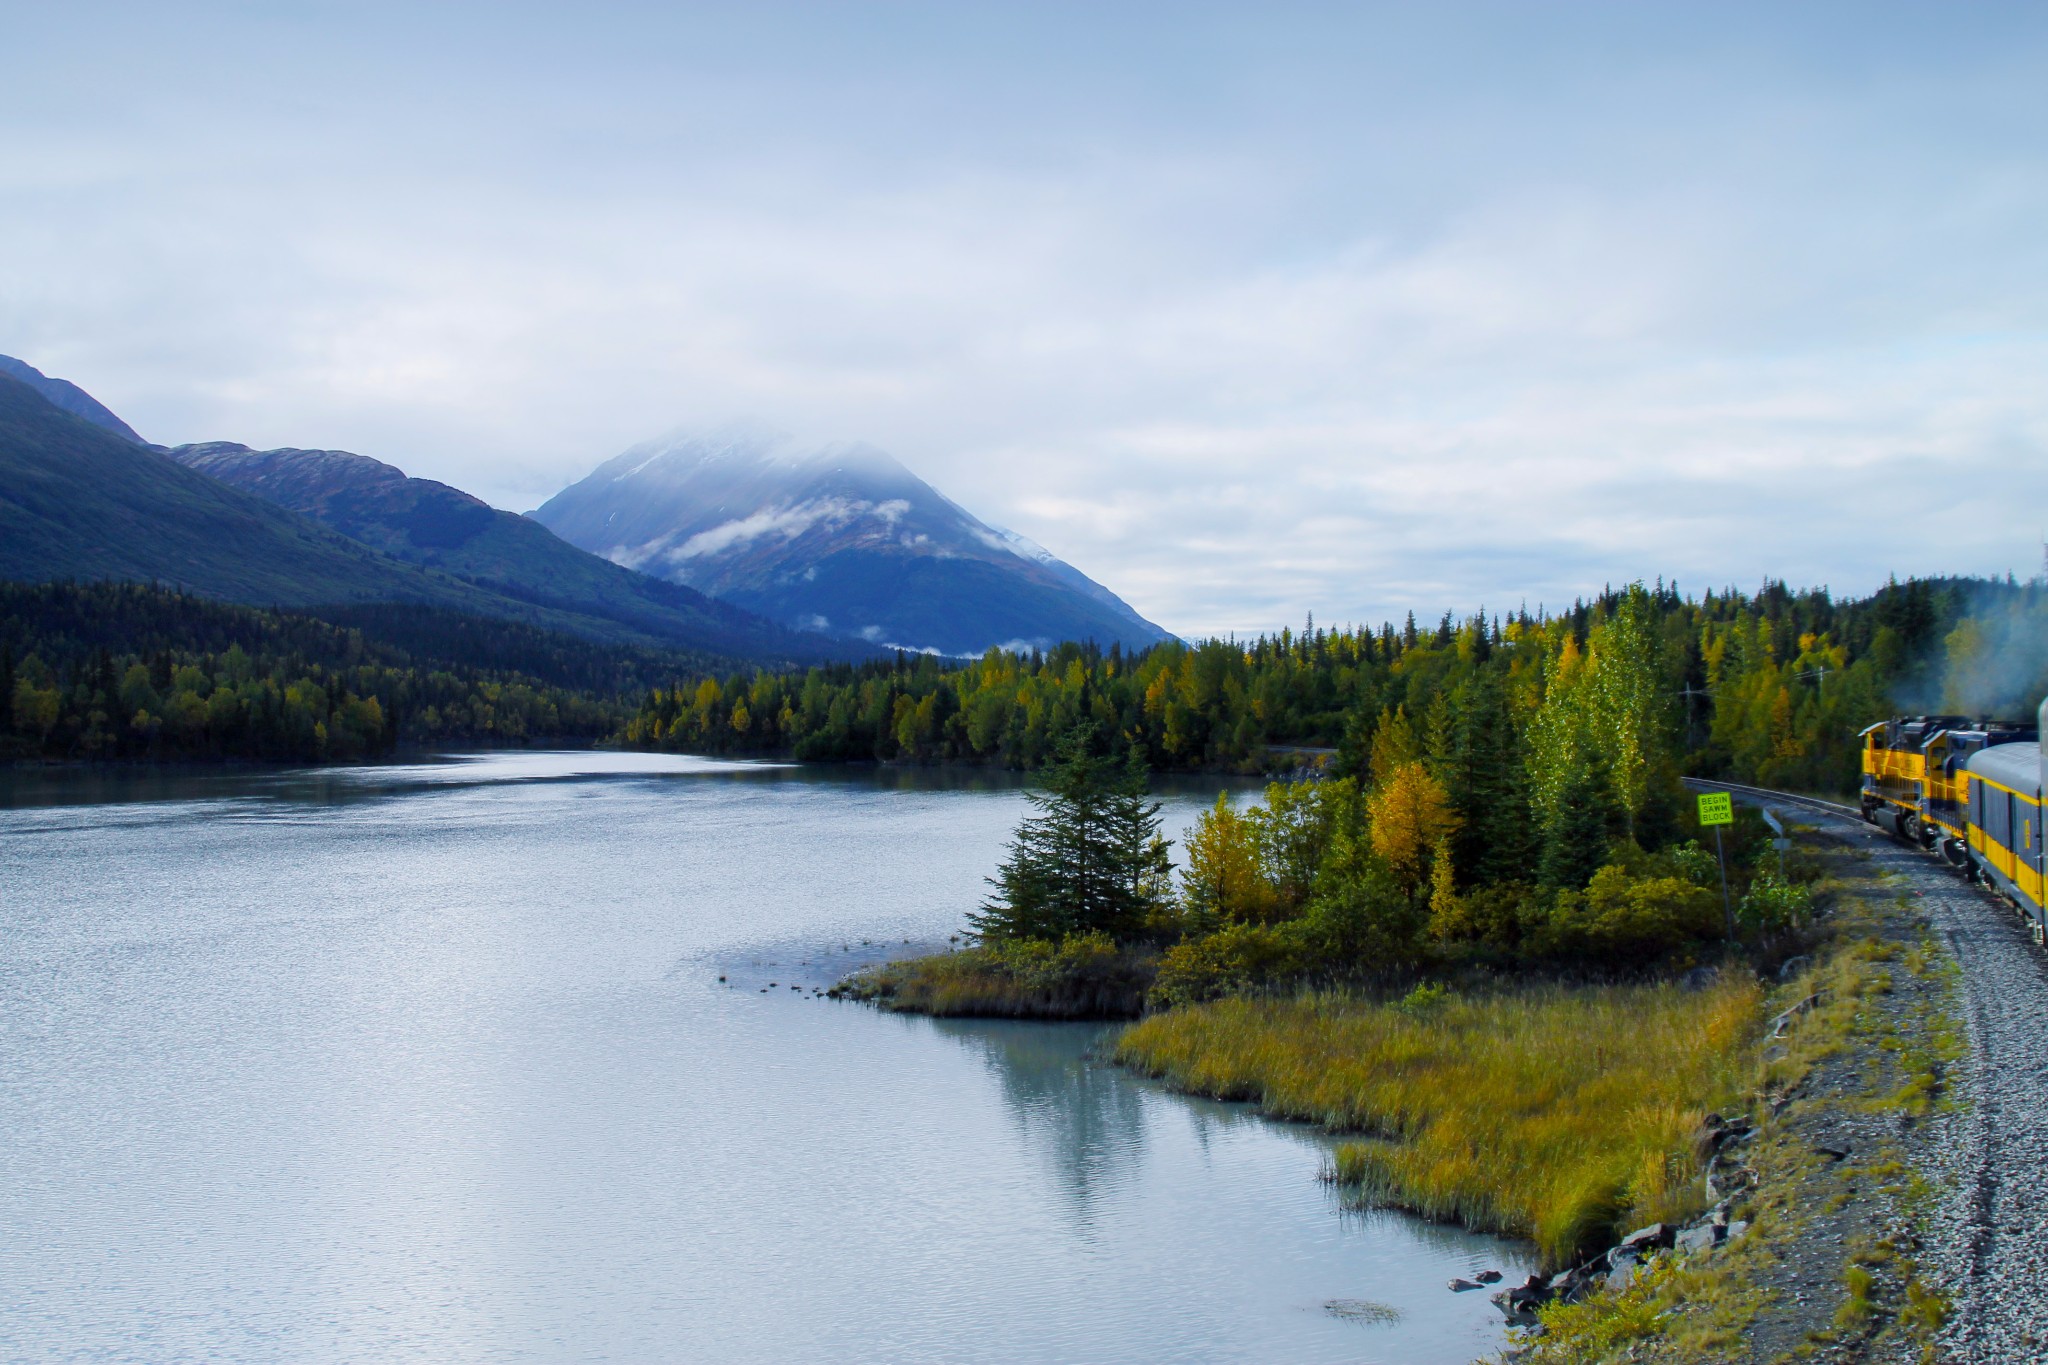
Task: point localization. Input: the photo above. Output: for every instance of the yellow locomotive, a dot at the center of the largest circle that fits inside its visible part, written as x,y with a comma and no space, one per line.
1970,790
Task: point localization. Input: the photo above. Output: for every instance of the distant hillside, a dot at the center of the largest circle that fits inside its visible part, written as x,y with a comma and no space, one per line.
77,501
843,541
428,523
67,396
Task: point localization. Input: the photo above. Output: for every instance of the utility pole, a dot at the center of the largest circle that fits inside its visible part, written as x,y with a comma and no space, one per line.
1689,692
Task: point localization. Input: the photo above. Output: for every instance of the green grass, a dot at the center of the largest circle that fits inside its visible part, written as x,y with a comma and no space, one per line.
1549,1113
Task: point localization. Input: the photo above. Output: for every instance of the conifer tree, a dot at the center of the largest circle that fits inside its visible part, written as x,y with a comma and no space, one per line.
1089,860
1488,786
1577,843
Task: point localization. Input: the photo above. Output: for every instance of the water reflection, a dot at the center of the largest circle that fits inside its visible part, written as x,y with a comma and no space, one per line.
431,1062
1086,1121
95,785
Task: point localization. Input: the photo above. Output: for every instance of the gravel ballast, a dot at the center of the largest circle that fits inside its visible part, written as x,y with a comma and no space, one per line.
1988,1242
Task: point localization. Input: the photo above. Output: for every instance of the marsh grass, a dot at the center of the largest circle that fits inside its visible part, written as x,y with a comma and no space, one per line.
1556,1114
1083,977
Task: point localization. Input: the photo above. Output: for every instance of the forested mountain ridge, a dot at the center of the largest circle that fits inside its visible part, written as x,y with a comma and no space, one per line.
422,521
842,540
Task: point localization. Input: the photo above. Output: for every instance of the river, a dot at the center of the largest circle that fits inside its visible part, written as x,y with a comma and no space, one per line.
434,1061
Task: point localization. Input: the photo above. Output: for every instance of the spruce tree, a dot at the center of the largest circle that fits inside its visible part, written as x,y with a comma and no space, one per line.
1488,785
1579,839
1089,860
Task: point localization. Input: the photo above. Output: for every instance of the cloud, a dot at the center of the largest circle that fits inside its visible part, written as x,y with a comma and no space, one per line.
1242,319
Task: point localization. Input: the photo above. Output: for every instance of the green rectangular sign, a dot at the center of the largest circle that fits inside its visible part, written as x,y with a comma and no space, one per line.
1717,808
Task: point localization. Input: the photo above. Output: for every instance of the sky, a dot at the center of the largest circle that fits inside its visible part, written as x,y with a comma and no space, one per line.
1247,311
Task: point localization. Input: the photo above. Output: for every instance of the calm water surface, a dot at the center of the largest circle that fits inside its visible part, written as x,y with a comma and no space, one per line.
433,1062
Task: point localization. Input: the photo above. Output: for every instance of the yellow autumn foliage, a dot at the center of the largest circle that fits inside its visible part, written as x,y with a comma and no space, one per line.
1410,813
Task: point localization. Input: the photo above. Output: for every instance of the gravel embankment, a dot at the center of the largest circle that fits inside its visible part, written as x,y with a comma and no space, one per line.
1990,1245
1993,1242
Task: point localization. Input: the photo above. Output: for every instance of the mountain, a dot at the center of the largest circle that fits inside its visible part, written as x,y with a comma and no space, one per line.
843,540
424,522
68,397
79,502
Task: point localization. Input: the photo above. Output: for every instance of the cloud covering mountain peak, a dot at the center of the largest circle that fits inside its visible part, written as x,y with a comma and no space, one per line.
839,538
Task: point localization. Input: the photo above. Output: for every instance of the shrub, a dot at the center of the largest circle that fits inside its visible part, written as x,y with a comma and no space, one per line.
1620,920
1493,917
1773,903
1424,1001
1233,960
1696,865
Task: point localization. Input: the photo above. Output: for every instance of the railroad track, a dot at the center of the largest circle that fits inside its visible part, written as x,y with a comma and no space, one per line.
1989,1236
1761,794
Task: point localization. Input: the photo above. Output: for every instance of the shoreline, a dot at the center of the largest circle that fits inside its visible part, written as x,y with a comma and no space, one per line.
1771,1204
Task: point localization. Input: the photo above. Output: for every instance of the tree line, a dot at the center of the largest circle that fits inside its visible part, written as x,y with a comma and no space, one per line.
1531,815
127,671
1769,687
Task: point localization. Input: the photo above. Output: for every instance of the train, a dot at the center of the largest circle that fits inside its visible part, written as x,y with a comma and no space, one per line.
1968,790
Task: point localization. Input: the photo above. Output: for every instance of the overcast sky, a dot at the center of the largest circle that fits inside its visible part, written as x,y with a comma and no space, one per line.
1246,310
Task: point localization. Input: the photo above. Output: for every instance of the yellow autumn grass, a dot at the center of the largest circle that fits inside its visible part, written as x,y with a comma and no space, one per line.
1555,1114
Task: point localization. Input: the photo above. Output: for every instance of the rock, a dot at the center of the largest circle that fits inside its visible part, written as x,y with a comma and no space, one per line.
1655,1235
1736,1229
1695,1239
1621,1277
1519,1304
1488,1277
1516,1307
1459,1286
1574,1285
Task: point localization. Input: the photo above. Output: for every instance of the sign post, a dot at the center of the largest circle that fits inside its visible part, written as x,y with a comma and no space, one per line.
1718,809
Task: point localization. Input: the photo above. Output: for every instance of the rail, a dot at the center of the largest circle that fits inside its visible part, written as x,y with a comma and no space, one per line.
1760,794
